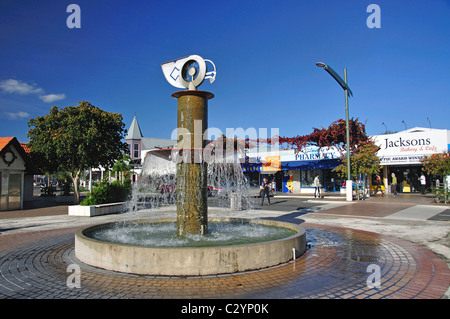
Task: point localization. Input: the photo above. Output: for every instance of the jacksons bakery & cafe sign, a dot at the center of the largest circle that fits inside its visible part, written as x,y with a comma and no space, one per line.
409,147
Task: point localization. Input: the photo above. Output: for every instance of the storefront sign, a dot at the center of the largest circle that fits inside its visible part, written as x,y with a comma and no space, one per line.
410,147
312,153
271,163
393,160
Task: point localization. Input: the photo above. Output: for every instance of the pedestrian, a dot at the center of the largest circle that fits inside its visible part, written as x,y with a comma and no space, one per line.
378,185
265,186
316,187
394,184
423,183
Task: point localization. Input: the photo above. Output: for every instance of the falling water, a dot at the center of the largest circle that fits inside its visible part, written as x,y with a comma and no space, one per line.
156,186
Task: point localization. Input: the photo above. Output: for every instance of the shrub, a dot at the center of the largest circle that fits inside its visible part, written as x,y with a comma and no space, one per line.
108,193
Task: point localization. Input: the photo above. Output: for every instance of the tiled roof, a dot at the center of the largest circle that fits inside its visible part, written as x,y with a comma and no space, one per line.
4,141
26,148
22,149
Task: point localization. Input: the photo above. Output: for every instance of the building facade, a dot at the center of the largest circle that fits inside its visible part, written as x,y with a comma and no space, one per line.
294,172
400,153
16,174
139,145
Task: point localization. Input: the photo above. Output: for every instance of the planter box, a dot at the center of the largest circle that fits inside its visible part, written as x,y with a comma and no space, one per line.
96,210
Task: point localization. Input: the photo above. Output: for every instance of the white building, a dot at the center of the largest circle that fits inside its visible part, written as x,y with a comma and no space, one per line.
140,145
401,152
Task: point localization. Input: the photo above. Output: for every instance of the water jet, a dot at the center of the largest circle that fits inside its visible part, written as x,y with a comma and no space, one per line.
181,176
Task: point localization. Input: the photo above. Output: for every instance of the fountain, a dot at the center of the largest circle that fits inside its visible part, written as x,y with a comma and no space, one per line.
193,244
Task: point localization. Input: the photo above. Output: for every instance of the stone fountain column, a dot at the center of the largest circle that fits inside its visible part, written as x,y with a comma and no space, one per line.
192,208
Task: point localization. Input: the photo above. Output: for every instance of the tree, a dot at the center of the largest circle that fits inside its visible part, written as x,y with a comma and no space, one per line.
335,135
364,160
76,138
437,164
122,167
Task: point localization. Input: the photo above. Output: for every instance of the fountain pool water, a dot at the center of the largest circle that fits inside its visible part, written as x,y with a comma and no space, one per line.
144,245
142,233
220,255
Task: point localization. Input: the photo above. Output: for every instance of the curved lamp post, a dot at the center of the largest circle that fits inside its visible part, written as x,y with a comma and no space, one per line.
343,84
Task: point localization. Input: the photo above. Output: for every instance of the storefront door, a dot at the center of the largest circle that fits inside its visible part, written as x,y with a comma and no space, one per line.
407,177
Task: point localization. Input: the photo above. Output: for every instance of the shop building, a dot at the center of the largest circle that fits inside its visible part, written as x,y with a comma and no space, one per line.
400,153
294,172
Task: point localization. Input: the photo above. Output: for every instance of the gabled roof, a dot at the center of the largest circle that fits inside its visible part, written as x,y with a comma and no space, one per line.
22,149
4,142
134,133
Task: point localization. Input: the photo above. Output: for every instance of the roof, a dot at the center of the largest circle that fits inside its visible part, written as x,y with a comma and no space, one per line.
22,149
26,148
5,141
421,129
134,133
150,143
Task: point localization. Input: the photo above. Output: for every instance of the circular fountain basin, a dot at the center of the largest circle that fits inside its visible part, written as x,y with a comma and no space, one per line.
189,259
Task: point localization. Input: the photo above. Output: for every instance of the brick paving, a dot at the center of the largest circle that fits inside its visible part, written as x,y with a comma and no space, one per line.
34,265
369,209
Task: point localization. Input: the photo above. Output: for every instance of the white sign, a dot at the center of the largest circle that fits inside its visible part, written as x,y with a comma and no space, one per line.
410,147
312,153
392,160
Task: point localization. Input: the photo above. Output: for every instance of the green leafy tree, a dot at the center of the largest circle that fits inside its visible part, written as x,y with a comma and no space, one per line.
76,138
437,164
364,160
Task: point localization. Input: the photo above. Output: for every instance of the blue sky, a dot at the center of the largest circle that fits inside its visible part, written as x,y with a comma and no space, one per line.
265,53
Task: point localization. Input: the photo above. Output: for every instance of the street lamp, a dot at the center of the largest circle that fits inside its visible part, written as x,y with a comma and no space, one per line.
343,84
385,127
429,122
405,125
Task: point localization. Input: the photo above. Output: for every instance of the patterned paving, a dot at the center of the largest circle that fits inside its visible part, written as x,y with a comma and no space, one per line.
339,263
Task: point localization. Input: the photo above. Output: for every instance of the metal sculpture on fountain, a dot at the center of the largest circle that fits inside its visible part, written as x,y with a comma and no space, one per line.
190,72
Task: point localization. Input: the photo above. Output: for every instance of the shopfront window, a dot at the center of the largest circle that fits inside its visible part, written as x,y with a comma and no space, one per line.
332,181
307,177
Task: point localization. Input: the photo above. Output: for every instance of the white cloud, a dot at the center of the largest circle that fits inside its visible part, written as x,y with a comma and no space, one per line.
19,87
49,98
22,88
18,115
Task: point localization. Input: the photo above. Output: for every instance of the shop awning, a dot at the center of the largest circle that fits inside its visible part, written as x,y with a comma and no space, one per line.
313,164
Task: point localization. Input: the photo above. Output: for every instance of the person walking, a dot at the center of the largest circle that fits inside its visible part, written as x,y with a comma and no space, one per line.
378,184
394,184
265,186
423,183
317,187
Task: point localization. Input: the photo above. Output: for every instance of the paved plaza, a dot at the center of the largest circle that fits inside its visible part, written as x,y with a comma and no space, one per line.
384,247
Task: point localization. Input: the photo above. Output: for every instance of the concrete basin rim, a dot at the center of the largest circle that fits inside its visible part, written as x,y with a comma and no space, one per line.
300,231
